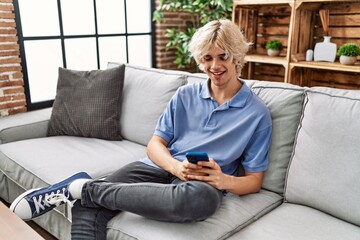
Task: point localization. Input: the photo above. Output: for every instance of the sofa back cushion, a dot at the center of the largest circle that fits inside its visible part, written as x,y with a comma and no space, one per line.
285,102
145,95
324,171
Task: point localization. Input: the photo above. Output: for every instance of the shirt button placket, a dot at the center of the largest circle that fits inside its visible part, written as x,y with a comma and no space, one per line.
211,121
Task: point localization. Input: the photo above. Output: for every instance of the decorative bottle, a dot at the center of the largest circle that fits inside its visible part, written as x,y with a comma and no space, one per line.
325,51
309,55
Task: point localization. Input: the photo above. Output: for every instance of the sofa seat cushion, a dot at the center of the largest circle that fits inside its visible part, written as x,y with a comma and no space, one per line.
297,222
234,213
43,161
324,170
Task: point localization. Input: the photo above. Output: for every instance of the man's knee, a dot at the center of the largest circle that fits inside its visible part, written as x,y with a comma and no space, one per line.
199,201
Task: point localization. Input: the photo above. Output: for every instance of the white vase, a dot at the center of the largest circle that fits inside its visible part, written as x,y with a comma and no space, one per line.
347,60
325,51
273,52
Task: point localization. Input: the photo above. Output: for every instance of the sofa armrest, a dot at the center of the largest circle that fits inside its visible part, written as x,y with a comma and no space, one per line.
23,126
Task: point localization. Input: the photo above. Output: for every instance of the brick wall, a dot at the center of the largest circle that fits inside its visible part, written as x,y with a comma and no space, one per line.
165,58
12,97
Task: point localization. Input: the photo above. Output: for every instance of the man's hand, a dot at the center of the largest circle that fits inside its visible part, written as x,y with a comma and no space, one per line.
185,169
209,172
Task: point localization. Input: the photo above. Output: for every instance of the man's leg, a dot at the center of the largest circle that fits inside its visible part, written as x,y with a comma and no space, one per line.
152,193
90,223
175,202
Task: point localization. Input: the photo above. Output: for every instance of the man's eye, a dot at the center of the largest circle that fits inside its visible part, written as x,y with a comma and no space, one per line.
207,58
224,57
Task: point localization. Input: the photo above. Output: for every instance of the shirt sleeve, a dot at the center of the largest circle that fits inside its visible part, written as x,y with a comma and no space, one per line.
256,154
165,125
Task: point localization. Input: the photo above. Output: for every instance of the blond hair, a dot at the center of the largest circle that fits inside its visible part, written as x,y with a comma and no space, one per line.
224,34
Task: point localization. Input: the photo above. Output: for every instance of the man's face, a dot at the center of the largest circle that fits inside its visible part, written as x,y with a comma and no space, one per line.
219,66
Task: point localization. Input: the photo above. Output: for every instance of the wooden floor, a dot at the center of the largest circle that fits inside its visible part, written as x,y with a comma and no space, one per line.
37,228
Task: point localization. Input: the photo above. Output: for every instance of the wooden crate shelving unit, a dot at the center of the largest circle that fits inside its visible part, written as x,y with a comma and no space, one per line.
262,21
344,27
297,24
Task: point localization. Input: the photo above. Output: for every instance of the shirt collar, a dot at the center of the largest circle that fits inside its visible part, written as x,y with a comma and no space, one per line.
239,100
205,92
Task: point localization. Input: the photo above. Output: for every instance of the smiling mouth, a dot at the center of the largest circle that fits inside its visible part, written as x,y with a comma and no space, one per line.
217,73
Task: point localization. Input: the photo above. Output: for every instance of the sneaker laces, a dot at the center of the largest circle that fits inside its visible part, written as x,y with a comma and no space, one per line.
39,204
57,199
43,203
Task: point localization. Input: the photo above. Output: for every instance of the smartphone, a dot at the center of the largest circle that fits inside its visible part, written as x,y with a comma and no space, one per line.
194,157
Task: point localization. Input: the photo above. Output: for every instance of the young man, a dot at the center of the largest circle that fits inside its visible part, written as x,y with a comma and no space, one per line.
221,117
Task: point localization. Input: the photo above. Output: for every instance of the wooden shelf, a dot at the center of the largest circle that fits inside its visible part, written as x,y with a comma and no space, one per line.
311,1
335,66
261,2
297,24
266,59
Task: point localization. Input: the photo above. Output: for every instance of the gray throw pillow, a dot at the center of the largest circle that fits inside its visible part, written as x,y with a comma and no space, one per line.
87,103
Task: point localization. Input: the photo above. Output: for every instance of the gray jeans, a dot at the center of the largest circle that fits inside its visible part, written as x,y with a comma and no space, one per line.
143,190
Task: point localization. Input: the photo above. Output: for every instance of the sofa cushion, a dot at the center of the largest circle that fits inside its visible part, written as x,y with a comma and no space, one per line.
146,94
285,102
234,214
41,162
325,168
296,222
49,160
87,103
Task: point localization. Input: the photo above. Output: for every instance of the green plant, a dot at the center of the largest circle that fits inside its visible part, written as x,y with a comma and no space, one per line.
349,49
203,11
274,45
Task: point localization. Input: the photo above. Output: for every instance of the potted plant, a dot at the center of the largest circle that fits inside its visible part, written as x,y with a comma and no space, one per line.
273,47
348,53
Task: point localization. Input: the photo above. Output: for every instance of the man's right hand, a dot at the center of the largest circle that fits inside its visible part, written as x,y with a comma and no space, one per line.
185,168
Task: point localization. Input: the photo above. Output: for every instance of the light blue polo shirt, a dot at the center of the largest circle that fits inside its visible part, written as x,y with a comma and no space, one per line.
238,130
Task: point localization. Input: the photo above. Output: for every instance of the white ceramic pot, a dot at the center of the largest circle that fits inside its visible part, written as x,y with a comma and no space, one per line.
347,60
273,52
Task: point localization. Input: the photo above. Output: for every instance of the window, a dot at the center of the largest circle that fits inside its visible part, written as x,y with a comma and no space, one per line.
79,35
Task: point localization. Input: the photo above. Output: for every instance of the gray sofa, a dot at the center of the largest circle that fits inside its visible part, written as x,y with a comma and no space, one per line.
310,191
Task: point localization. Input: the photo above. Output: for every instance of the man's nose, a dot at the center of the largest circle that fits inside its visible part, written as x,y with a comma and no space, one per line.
215,64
